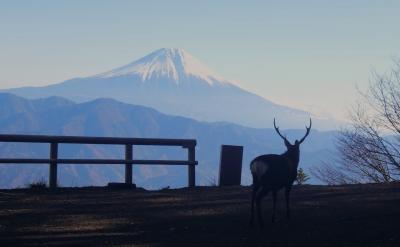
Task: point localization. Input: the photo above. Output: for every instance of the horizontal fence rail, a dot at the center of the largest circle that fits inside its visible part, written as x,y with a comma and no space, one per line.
53,161
97,140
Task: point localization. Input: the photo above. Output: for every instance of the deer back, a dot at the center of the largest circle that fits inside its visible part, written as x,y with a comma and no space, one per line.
274,170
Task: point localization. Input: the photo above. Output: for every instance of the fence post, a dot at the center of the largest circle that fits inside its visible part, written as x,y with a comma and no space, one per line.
128,167
53,165
191,168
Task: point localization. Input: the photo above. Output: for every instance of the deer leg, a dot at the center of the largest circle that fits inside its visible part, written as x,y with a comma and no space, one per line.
253,197
261,193
287,193
274,194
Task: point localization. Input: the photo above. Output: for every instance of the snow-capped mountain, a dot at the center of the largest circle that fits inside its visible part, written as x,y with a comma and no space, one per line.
176,64
174,82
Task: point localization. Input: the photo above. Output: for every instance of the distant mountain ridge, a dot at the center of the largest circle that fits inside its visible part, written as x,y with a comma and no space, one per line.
175,82
107,117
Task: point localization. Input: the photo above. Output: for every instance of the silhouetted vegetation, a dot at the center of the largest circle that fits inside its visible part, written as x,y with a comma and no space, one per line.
302,177
332,175
40,184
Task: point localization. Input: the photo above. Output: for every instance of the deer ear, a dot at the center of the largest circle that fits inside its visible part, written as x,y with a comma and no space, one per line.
296,142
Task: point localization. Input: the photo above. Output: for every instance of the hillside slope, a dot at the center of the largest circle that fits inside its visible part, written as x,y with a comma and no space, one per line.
358,215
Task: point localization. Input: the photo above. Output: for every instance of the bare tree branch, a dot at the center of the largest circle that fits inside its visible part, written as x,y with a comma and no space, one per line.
370,148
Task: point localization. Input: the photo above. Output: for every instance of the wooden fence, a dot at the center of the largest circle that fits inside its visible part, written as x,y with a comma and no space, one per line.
53,160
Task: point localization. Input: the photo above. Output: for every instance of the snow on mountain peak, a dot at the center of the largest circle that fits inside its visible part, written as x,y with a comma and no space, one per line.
173,63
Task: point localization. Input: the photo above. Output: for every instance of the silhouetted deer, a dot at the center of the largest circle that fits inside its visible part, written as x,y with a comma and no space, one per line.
272,172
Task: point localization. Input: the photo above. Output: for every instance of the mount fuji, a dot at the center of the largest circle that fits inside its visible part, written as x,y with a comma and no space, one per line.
174,82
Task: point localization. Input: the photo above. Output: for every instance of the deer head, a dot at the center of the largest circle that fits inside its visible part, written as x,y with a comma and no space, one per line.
293,147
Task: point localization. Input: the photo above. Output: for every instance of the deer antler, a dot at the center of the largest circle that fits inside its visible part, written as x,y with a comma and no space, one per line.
308,132
279,133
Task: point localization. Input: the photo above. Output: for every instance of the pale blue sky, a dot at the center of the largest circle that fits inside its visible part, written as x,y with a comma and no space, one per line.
300,53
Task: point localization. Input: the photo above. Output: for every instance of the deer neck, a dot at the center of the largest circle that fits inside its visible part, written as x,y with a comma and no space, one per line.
293,158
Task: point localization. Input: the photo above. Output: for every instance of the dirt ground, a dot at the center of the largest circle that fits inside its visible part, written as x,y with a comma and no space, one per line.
357,215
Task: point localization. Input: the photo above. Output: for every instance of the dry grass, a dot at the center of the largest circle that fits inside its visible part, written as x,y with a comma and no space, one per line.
359,215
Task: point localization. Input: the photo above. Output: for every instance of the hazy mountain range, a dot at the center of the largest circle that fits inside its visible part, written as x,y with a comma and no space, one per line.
174,82
107,117
166,94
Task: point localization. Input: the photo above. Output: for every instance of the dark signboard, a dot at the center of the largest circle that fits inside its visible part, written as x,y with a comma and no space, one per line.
230,167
